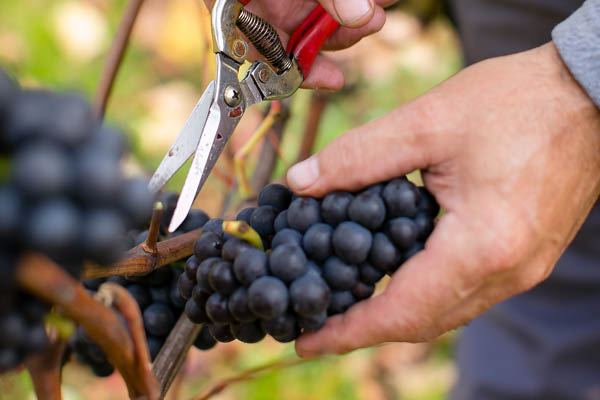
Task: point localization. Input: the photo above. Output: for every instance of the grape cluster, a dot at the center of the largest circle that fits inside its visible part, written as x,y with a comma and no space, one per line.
156,294
62,193
323,256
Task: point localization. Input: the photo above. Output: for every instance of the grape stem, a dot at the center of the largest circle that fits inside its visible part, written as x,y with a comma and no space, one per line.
149,244
45,369
44,279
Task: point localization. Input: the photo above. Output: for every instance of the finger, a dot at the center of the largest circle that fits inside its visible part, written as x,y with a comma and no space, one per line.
421,291
350,13
398,143
345,37
324,74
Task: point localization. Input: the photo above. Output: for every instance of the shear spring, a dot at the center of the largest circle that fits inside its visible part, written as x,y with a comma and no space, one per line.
266,40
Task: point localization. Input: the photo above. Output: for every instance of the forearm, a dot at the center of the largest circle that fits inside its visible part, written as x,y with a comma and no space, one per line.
578,42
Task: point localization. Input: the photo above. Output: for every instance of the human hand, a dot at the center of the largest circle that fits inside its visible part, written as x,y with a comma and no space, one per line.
359,18
510,148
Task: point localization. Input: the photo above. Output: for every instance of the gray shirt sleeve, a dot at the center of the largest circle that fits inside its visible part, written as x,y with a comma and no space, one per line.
578,42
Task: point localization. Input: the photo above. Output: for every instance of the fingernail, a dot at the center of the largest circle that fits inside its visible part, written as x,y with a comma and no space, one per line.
304,174
350,11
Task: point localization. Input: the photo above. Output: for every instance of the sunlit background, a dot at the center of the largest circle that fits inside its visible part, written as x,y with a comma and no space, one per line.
61,44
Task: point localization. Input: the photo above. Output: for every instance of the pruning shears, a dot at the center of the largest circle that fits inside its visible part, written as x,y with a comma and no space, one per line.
225,100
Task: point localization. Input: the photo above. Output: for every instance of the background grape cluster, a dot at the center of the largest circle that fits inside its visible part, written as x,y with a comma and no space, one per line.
156,294
322,257
62,193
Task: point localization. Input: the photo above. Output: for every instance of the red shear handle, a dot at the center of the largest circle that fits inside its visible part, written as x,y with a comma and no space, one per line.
308,39
245,2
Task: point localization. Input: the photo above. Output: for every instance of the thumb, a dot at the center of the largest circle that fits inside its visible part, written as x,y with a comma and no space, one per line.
386,148
350,13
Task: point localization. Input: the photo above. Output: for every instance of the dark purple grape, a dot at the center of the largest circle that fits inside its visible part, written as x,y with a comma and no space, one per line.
11,210
110,141
282,326
303,213
42,170
217,310
102,234
196,312
158,319
352,242
248,332
268,297
427,203
214,225
202,273
314,269
71,121
29,114
154,346
280,222
186,286
36,339
368,210
403,232
221,278
417,247
238,306
275,195
245,215
288,262
384,256
191,268
141,238
401,198
221,332
369,274
250,265
341,302
362,291
424,225
339,275
334,208
9,359
200,295
286,235
309,295
175,297
140,294
12,330
136,202
375,189
204,341
158,277
317,242
312,323
233,247
262,220
208,245
99,178
195,219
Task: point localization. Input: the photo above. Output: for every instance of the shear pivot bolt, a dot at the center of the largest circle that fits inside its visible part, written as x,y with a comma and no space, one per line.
240,48
232,96
264,75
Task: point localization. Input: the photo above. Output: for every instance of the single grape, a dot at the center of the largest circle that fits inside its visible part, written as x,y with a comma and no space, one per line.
202,273
196,312
102,236
30,111
268,297
136,202
99,178
384,255
245,215
214,225
424,225
221,332
317,242
175,296
375,189
286,235
312,323
362,291
238,306
217,310
275,195
369,274
221,278
208,245
186,286
339,275
250,265
417,247
248,332
282,326
280,222
401,198
200,295
204,340
71,121
314,269
191,268
109,141
309,295
233,247
11,210
340,302
158,319
352,242
368,210
334,208
303,213
195,219
161,294
288,262
140,294
403,232
427,203
154,346
262,221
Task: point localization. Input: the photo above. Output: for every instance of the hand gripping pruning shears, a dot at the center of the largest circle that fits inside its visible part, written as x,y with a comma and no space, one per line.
219,110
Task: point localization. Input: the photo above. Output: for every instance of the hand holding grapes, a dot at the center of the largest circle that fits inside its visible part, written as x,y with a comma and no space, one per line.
510,148
359,18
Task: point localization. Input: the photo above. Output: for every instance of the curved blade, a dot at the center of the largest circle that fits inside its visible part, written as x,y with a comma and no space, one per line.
186,142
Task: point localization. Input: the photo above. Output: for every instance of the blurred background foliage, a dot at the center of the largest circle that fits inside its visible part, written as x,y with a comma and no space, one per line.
60,44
